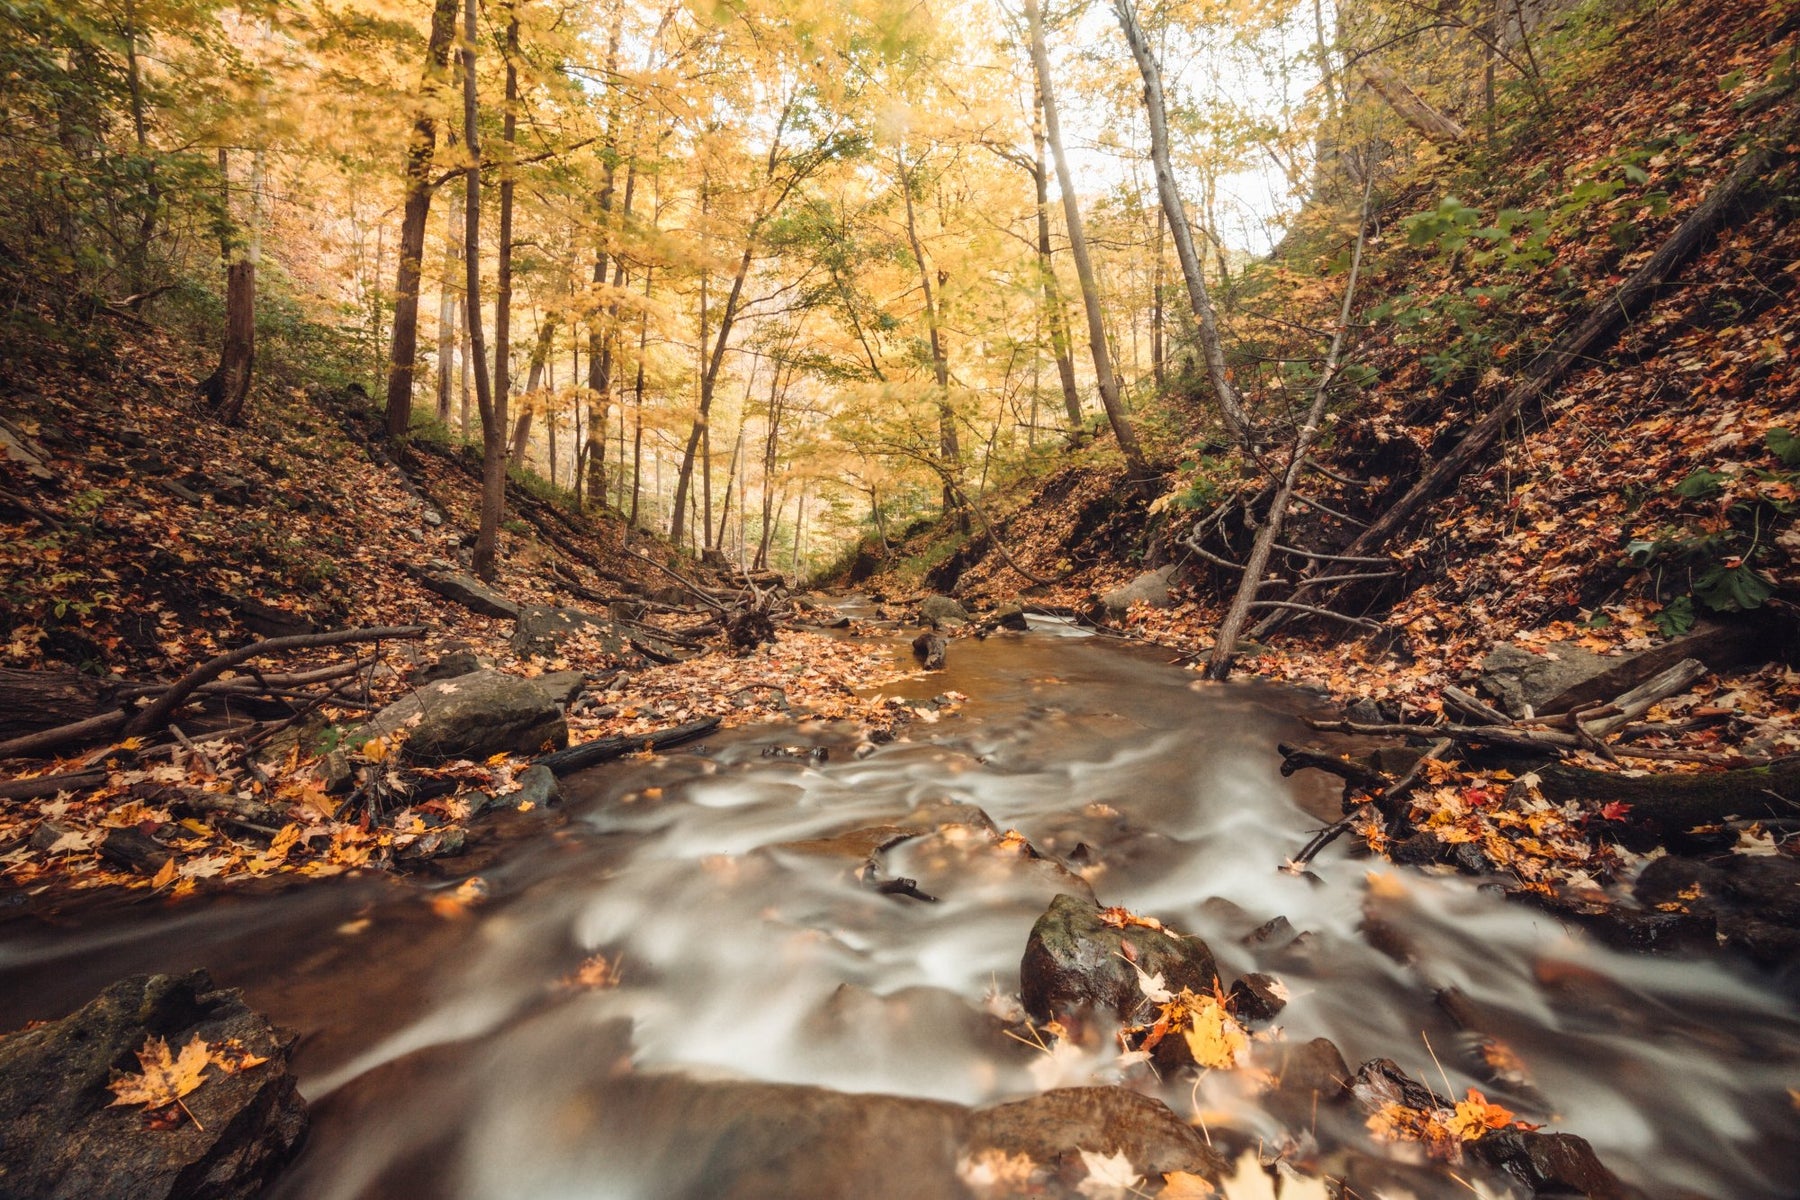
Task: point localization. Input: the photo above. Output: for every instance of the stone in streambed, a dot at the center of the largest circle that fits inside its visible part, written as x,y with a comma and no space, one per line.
1074,962
941,612
1555,1164
929,649
1258,997
1055,1127
61,1138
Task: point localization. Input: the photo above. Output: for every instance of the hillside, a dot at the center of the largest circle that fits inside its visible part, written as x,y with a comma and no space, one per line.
143,539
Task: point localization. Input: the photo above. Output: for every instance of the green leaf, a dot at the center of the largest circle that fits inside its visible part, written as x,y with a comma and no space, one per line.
1701,485
1636,174
1785,446
1732,589
1676,617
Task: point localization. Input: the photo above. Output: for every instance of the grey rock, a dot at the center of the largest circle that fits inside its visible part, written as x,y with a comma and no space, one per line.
941,612
1717,645
1073,963
542,629
1011,616
1520,679
450,665
60,1139
472,716
1152,588
471,593
432,517
537,787
1258,997
929,649
562,686
1557,1164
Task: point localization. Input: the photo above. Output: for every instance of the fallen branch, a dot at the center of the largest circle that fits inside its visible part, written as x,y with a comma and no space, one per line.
1218,665
607,748
158,713
49,785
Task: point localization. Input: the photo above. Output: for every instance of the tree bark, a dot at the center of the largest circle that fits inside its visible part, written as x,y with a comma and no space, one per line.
404,349
1231,408
540,356
940,363
448,334
493,433
1410,106
1084,266
1055,315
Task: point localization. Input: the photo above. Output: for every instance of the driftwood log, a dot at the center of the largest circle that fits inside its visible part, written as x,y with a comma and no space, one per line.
607,748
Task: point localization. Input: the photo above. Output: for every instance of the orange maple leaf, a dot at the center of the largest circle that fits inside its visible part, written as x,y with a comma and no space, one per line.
166,1078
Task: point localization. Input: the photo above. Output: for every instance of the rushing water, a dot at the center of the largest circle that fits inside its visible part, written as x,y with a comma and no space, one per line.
444,1054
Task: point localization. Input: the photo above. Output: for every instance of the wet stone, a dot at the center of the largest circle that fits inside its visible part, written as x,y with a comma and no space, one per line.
1557,1164
929,649
61,1138
1258,997
1073,962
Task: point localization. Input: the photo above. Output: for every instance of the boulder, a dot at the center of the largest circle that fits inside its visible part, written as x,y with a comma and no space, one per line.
1558,1164
1073,962
469,592
941,612
1105,1120
1011,616
472,716
1563,676
62,1139
562,686
543,628
1152,588
929,649
451,665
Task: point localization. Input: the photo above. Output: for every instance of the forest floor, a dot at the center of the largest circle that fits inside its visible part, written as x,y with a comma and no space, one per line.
139,539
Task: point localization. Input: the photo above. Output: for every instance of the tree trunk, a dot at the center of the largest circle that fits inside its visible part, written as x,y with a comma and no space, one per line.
1055,316
403,352
637,394
599,356
448,334
1411,108
940,363
1231,409
493,433
228,389
540,355
1084,266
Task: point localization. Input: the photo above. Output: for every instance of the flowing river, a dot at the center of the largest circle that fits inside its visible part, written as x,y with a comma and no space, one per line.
445,1051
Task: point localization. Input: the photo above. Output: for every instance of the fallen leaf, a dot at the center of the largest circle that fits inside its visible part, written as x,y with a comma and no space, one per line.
166,1078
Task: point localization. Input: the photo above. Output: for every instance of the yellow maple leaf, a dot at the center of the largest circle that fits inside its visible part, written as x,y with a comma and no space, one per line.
166,1078
1213,1037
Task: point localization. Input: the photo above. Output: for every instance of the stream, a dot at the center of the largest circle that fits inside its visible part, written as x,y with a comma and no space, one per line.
445,1053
